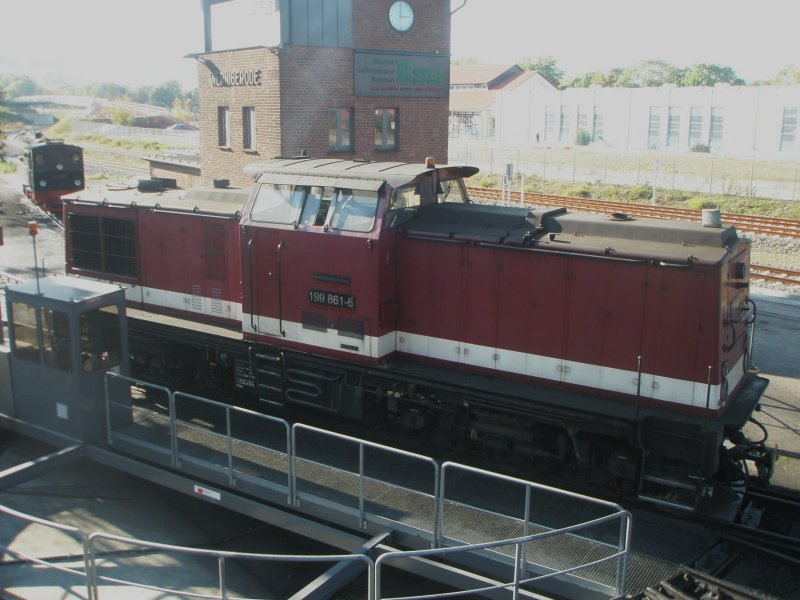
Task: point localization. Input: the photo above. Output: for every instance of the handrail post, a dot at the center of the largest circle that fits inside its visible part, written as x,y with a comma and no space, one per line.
361,516
290,465
517,568
526,529
293,468
108,408
626,524
231,478
437,503
223,592
173,429
88,565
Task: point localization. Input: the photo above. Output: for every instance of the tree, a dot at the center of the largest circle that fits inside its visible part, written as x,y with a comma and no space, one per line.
649,73
787,76
122,116
20,85
166,93
546,67
466,61
2,135
594,78
707,74
112,91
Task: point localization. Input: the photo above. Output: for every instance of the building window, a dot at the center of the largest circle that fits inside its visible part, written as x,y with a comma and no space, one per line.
563,133
249,128
717,126
583,118
654,129
695,126
549,122
386,128
465,124
597,124
673,127
789,129
340,129
223,127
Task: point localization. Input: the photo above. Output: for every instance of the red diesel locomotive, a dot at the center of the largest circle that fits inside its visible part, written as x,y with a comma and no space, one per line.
611,347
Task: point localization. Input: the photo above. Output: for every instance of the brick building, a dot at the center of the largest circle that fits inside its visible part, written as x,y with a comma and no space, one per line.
341,78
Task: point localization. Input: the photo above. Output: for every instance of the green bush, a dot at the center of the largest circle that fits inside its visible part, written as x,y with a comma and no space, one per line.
581,191
700,148
8,167
701,202
61,129
486,182
639,192
583,137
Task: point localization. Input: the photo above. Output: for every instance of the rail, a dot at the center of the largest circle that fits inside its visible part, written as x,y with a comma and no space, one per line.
752,223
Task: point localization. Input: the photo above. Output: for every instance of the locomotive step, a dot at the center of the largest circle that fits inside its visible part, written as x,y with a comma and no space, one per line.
672,483
667,502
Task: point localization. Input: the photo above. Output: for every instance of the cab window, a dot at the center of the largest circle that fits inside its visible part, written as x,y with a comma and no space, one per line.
24,331
354,210
100,339
425,190
56,339
278,203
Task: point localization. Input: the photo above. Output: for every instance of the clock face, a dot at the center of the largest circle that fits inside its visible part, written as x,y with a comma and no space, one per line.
401,15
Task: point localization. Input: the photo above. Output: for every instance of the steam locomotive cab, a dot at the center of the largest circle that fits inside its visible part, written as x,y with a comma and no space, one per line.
53,170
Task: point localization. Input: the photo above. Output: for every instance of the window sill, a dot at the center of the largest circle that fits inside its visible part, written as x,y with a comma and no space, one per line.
250,151
225,148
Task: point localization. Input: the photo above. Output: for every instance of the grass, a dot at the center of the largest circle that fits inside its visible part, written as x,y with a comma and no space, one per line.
8,167
642,194
63,130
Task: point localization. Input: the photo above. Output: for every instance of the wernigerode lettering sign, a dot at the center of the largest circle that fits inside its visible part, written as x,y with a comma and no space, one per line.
245,77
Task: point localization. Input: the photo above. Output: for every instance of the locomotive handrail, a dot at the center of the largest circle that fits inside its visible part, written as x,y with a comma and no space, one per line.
250,243
280,289
211,214
564,252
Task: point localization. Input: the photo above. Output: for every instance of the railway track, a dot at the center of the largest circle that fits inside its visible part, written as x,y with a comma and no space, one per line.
754,224
117,166
765,273
767,524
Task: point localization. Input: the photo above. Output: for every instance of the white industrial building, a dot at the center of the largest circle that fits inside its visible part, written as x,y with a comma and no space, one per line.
509,105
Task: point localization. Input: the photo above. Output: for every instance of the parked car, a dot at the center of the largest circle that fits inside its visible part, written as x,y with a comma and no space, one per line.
181,127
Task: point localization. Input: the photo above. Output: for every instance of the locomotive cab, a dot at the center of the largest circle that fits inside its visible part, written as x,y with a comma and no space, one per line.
318,250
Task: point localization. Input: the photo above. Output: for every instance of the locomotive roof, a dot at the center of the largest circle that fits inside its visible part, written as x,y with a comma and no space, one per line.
348,173
226,201
559,230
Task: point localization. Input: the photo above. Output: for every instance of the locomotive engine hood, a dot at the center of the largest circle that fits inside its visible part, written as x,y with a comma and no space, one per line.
561,231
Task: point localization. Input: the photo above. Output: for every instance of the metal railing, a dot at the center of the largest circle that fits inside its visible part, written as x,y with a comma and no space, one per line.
527,548
74,532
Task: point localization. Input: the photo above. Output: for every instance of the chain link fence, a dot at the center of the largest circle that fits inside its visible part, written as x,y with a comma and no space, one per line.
699,173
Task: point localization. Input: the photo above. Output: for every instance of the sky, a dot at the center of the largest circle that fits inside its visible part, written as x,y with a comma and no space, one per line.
143,42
